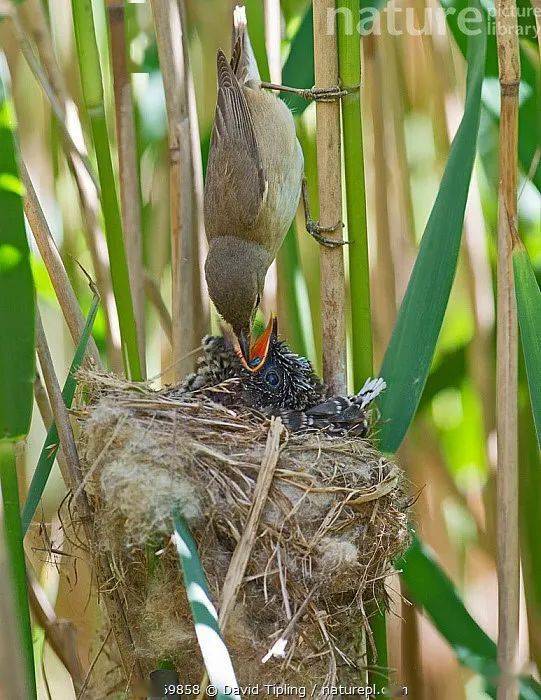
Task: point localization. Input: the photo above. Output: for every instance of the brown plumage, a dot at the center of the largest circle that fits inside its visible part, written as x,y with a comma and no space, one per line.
252,187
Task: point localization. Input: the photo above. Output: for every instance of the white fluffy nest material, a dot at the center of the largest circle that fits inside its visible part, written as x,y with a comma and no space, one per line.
331,525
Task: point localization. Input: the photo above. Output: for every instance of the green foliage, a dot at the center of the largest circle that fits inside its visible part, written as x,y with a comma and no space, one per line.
17,311
529,122
298,69
349,58
530,515
91,80
14,546
255,16
411,349
51,444
17,364
529,315
432,590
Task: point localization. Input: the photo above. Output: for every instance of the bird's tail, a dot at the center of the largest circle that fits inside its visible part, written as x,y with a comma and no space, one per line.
371,389
242,56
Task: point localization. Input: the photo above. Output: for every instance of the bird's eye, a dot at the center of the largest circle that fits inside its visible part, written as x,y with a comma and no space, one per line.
272,378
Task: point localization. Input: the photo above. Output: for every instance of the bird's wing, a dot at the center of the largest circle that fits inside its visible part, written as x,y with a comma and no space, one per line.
330,408
236,185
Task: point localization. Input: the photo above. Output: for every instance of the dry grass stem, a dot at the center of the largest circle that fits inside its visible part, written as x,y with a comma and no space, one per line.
73,479
56,105
130,195
49,76
60,634
507,516
168,24
243,550
45,411
154,295
55,267
330,201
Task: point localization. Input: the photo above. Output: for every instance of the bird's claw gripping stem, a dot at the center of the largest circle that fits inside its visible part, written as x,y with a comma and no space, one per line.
315,230
317,94
329,94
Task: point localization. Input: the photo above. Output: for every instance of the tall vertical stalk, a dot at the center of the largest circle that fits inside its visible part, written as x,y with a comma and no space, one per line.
384,279
14,545
17,371
54,264
91,80
12,660
51,80
130,195
330,199
349,59
168,24
507,517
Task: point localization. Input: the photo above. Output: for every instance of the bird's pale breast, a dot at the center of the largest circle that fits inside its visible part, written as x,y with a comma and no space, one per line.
282,159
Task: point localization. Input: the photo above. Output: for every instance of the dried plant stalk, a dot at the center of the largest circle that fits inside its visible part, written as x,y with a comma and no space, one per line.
167,20
243,551
49,77
506,357
330,200
130,196
61,634
55,267
73,479
153,293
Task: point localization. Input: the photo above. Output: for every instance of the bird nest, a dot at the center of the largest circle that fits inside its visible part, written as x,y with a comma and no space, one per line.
310,550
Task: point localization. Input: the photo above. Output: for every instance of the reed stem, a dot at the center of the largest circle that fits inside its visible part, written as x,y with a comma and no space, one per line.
14,545
73,476
330,200
51,80
168,24
349,58
91,80
507,516
130,194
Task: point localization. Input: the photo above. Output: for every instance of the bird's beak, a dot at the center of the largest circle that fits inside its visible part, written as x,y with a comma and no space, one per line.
244,346
257,353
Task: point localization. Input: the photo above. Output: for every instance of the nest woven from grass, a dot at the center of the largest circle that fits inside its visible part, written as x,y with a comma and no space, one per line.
334,520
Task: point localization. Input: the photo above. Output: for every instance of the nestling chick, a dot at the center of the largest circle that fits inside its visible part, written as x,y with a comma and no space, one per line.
252,187
284,384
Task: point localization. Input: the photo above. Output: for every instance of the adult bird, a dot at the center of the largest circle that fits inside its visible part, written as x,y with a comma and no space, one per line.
253,183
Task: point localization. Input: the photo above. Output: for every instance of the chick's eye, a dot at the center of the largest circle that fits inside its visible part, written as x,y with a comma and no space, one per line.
272,378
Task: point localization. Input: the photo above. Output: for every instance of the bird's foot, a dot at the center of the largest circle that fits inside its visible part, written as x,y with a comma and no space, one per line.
317,94
316,231
328,94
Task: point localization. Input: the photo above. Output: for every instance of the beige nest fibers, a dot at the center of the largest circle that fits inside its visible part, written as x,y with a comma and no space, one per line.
303,527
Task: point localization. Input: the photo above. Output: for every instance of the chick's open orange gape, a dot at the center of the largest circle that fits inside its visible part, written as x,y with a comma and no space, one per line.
259,349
